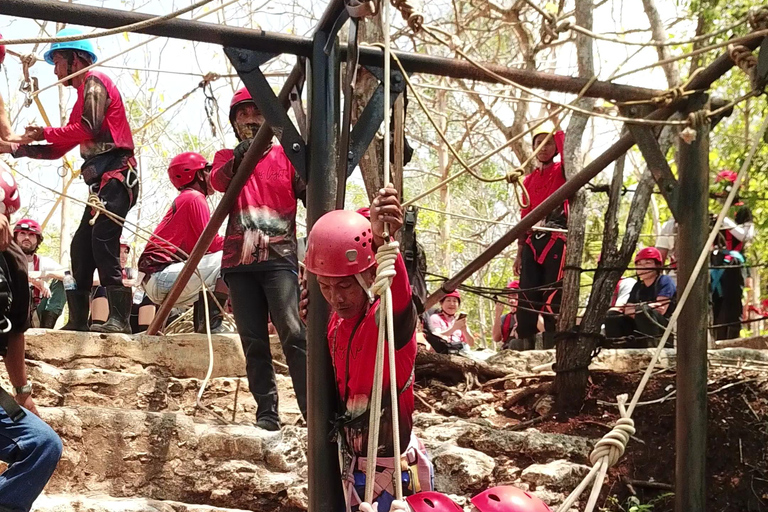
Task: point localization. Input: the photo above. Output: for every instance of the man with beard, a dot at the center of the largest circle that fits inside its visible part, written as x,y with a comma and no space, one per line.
260,264
46,277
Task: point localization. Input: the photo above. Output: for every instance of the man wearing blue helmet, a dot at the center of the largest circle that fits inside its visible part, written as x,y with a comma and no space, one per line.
97,124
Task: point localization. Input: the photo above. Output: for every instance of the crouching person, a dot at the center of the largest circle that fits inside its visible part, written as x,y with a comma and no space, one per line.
29,446
176,236
341,253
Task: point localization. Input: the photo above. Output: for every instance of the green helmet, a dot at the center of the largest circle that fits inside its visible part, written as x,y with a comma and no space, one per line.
83,45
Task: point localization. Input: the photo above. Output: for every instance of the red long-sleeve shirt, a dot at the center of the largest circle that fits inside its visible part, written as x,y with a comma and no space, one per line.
541,183
352,343
181,226
97,123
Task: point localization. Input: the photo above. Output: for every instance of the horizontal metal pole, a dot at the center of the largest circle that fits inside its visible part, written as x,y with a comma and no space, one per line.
260,40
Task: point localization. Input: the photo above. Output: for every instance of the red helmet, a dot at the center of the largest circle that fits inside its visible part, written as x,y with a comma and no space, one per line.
514,284
430,501
340,244
454,293
29,225
2,51
9,191
726,175
506,498
184,167
241,96
649,253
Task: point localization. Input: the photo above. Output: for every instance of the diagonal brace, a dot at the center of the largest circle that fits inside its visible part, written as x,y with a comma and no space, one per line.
246,63
657,163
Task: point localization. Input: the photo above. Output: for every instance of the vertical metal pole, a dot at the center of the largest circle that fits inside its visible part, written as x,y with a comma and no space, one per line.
325,491
691,424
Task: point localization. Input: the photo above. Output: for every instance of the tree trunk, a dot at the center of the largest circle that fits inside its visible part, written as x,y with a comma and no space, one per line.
657,30
445,196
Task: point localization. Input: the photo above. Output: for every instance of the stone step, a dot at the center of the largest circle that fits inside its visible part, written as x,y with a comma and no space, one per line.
181,355
150,390
99,503
166,456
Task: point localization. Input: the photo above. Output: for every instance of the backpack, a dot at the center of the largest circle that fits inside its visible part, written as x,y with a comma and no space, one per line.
415,260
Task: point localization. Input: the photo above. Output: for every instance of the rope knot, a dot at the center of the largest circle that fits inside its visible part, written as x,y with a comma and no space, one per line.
669,96
611,447
97,205
410,12
386,257
521,193
758,18
742,57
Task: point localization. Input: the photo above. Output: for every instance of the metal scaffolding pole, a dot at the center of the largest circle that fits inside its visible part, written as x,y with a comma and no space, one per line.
325,492
691,404
260,40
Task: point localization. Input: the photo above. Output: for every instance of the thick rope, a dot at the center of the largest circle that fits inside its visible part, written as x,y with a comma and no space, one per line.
133,27
609,449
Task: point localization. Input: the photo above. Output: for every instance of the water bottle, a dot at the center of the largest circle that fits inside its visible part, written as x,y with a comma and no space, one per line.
69,281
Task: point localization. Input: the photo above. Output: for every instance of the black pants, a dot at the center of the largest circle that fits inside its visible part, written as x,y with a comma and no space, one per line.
727,307
641,331
98,246
255,297
534,274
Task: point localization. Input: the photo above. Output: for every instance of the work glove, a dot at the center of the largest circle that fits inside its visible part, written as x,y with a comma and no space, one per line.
240,151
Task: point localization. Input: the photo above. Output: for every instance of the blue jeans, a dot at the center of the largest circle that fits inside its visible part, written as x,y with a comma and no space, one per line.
32,450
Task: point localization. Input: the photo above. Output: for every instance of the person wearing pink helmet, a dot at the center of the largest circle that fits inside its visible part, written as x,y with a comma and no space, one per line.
341,255
450,325
504,324
29,447
260,262
175,237
46,276
651,302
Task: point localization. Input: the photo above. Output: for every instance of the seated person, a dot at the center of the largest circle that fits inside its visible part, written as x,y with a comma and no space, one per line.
504,325
176,236
651,303
450,325
45,275
623,289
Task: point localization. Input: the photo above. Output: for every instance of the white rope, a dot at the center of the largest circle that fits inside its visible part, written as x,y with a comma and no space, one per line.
611,447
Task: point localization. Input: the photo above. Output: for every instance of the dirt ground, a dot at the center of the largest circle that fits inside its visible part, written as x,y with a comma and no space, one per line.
737,441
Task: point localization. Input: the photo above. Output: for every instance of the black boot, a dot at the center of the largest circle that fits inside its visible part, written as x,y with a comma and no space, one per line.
79,309
214,313
266,412
120,300
548,342
48,319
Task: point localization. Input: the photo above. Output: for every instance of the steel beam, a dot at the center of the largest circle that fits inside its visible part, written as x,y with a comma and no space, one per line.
701,81
246,63
252,156
691,404
260,40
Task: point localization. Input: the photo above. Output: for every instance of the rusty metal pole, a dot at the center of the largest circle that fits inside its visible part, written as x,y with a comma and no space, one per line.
251,158
691,423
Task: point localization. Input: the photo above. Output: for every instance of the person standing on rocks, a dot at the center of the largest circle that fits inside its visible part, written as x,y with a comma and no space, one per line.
260,264
98,124
27,444
341,254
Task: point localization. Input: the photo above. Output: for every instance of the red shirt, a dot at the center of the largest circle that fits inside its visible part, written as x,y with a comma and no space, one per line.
541,183
352,343
261,232
182,226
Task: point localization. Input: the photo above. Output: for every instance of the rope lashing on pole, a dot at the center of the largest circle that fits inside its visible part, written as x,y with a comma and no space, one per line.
141,25
610,451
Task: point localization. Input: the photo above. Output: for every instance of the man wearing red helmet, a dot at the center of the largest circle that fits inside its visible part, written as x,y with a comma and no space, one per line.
651,303
450,325
260,263
47,299
541,253
341,254
727,271
175,237
99,125
29,446
504,324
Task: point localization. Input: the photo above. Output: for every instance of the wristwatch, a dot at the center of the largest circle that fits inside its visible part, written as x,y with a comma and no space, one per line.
23,390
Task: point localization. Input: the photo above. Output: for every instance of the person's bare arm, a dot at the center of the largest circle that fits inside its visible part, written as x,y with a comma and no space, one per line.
496,329
5,125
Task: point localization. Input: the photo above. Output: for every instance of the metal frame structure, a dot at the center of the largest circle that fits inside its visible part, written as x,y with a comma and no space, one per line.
316,158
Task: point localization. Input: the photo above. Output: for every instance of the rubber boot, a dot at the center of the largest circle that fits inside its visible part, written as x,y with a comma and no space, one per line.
548,340
79,309
528,343
48,319
266,412
120,300
214,313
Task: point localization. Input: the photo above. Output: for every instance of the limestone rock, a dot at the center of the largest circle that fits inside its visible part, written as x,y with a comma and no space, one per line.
80,503
461,470
558,474
534,444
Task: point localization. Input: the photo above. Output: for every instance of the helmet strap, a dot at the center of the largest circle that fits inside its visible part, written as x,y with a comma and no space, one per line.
365,288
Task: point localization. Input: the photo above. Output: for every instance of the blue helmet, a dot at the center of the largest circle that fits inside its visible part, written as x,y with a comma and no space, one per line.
83,45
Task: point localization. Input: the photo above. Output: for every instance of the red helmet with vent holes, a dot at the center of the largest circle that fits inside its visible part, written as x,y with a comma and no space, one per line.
9,191
29,225
340,244
241,96
454,293
649,253
184,167
506,498
430,501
